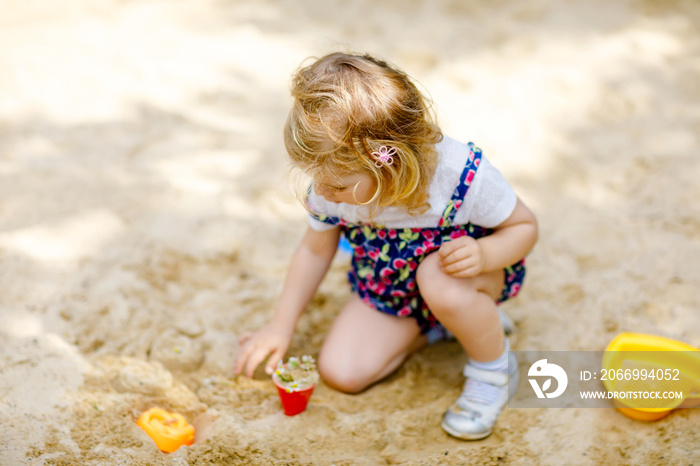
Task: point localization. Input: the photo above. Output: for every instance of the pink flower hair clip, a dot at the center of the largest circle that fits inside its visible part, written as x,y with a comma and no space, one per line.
384,156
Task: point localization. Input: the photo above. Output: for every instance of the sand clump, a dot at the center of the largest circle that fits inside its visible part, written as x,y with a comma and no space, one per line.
142,377
176,351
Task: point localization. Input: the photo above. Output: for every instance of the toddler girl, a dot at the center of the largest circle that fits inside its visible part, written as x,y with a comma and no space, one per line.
438,238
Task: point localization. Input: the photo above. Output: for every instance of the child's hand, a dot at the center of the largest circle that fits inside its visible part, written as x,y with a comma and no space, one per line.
273,340
462,257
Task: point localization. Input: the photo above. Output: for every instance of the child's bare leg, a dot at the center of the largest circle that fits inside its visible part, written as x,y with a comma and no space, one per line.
465,306
365,345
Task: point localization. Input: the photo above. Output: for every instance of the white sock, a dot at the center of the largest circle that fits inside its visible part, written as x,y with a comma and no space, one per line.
480,392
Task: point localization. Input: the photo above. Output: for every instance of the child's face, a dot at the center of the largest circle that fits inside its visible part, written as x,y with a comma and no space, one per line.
351,189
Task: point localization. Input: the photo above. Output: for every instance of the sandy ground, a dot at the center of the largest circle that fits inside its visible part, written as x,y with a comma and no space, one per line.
144,224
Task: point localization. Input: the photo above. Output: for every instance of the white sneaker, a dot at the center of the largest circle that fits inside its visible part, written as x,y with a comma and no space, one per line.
472,421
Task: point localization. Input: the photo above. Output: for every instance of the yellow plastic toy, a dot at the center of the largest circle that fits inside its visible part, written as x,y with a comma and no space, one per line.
640,359
170,431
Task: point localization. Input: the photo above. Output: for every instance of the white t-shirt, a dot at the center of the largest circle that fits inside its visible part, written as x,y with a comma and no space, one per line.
490,200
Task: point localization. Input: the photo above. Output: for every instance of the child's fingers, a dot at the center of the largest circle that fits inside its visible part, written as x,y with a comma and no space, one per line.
448,248
455,256
457,249
254,361
467,272
243,352
243,358
466,252
459,266
273,360
456,266
238,364
245,336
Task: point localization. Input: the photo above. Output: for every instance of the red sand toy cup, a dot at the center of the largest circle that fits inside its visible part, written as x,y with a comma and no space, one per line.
169,431
294,402
295,383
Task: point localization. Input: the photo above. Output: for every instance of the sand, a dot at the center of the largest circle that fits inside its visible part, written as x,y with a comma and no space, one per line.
145,223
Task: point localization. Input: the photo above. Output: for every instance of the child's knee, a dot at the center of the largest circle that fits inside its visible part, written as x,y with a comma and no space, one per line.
430,279
440,290
340,376
427,269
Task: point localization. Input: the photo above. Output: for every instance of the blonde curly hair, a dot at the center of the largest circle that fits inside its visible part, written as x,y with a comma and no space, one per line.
348,106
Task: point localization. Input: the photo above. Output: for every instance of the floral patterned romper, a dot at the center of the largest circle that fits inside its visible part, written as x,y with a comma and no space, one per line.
385,260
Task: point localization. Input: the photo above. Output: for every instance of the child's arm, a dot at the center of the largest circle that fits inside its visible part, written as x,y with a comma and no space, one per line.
511,241
309,265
